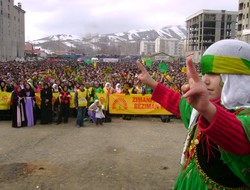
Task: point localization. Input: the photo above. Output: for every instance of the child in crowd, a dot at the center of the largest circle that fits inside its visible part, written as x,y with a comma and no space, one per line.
95,112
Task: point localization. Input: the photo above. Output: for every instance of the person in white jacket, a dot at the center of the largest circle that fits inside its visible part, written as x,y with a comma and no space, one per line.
95,112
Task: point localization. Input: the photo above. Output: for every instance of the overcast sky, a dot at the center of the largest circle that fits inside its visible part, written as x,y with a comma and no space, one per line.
81,17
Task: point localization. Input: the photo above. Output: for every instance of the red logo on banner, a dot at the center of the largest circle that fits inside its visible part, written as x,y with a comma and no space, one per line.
120,104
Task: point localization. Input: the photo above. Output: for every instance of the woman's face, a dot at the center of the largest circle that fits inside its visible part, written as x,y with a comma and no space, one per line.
27,86
212,82
65,88
19,89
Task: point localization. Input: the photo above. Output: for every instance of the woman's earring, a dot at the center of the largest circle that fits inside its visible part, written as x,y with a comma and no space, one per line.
221,83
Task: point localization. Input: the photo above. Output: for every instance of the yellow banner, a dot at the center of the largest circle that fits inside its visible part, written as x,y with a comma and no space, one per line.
117,103
5,98
54,97
135,104
38,98
72,105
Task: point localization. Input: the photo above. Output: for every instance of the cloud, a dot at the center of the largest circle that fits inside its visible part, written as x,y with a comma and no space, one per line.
80,17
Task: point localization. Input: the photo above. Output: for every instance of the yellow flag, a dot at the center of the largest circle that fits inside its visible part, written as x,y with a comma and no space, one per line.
168,78
184,69
143,61
95,64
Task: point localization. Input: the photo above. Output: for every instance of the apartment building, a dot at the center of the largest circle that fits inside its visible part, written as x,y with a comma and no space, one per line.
171,46
243,32
206,27
12,33
147,47
129,48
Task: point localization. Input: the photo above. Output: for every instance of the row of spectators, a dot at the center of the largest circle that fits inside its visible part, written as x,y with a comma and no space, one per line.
118,77
72,72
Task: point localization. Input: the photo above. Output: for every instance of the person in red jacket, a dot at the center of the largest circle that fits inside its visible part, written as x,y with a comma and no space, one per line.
215,110
64,99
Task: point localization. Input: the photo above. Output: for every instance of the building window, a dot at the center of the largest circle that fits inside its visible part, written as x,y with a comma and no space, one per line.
8,15
239,27
248,4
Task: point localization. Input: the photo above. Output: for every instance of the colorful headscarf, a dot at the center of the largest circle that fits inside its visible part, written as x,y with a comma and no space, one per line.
227,57
231,59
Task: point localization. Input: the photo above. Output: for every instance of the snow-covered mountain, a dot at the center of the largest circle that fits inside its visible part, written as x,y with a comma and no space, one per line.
178,32
63,42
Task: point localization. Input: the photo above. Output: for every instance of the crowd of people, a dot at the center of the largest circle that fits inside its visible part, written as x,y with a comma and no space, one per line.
25,79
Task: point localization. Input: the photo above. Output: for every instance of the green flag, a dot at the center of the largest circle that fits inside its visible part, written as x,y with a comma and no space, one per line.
149,62
88,61
163,67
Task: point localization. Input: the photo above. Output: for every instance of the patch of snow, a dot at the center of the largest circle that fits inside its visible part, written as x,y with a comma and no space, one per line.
69,44
120,34
177,31
163,33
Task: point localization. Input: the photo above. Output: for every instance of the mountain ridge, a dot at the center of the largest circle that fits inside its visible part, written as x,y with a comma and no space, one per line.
95,42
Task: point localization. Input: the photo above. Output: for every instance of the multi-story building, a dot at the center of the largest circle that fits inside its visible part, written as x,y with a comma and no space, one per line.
244,21
206,27
171,46
12,36
130,48
147,47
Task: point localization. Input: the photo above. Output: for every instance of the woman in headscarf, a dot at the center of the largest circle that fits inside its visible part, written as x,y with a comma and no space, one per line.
30,102
46,104
118,89
18,108
108,89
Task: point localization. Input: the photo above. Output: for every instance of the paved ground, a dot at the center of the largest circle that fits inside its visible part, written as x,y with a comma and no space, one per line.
139,154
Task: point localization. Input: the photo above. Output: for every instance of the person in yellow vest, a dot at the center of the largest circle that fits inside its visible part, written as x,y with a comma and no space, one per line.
91,93
80,100
108,89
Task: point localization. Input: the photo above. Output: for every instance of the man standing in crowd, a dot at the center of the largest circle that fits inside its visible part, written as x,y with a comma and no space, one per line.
80,100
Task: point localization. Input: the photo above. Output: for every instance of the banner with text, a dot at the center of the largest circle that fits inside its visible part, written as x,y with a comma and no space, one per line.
116,103
135,104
